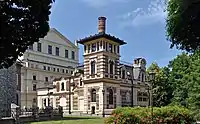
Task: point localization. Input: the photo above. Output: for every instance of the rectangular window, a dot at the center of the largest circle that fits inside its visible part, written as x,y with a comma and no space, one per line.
71,72
57,69
106,46
93,47
62,86
39,47
34,77
54,69
57,51
63,71
44,67
73,55
49,49
101,44
110,48
66,54
67,71
46,79
93,67
97,46
31,47
123,74
114,49
49,68
85,48
34,87
81,82
117,49
44,102
88,48
144,99
32,65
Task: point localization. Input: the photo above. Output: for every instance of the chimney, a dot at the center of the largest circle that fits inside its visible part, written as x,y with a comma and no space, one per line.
102,24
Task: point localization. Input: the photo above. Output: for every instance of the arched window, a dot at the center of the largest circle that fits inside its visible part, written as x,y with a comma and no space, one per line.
93,93
111,67
110,96
93,67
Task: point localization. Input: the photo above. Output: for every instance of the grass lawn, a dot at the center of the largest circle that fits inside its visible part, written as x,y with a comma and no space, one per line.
74,120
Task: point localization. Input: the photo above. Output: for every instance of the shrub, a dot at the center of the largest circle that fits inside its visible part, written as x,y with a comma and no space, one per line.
143,115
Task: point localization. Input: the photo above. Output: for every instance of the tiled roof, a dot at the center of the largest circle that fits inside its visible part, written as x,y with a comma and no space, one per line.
100,35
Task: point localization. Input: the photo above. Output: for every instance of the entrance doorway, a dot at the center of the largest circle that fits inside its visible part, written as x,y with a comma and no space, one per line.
93,110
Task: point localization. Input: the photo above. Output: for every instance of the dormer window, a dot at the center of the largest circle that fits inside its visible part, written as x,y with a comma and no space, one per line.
93,47
92,67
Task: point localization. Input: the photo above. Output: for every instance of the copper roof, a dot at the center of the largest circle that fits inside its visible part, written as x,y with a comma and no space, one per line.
101,35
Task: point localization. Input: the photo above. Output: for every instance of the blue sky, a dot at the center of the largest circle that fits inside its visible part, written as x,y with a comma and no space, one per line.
141,23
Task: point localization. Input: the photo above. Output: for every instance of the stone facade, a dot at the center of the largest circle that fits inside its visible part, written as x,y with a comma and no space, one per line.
52,57
10,82
103,82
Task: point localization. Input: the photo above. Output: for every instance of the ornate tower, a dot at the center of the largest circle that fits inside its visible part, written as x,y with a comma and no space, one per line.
101,62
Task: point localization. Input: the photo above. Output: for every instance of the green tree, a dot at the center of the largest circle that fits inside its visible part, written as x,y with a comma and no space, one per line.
23,22
183,24
162,91
180,69
194,87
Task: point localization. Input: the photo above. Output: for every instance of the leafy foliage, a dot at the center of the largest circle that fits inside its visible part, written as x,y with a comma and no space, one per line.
162,88
183,24
180,77
23,22
186,81
142,115
178,83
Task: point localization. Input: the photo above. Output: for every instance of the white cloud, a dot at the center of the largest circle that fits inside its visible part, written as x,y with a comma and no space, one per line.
154,13
102,3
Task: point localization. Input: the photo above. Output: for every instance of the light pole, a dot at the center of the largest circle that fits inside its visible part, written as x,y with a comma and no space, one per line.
131,78
152,79
103,91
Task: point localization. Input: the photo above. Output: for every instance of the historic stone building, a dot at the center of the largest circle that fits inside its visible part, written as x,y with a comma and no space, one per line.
53,56
103,82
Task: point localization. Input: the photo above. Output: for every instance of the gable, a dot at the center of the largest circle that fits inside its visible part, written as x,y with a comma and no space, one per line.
54,36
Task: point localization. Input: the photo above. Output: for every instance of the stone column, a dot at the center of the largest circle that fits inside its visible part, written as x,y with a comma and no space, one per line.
118,100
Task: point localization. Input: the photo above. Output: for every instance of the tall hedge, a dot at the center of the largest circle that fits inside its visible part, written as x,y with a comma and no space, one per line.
143,115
